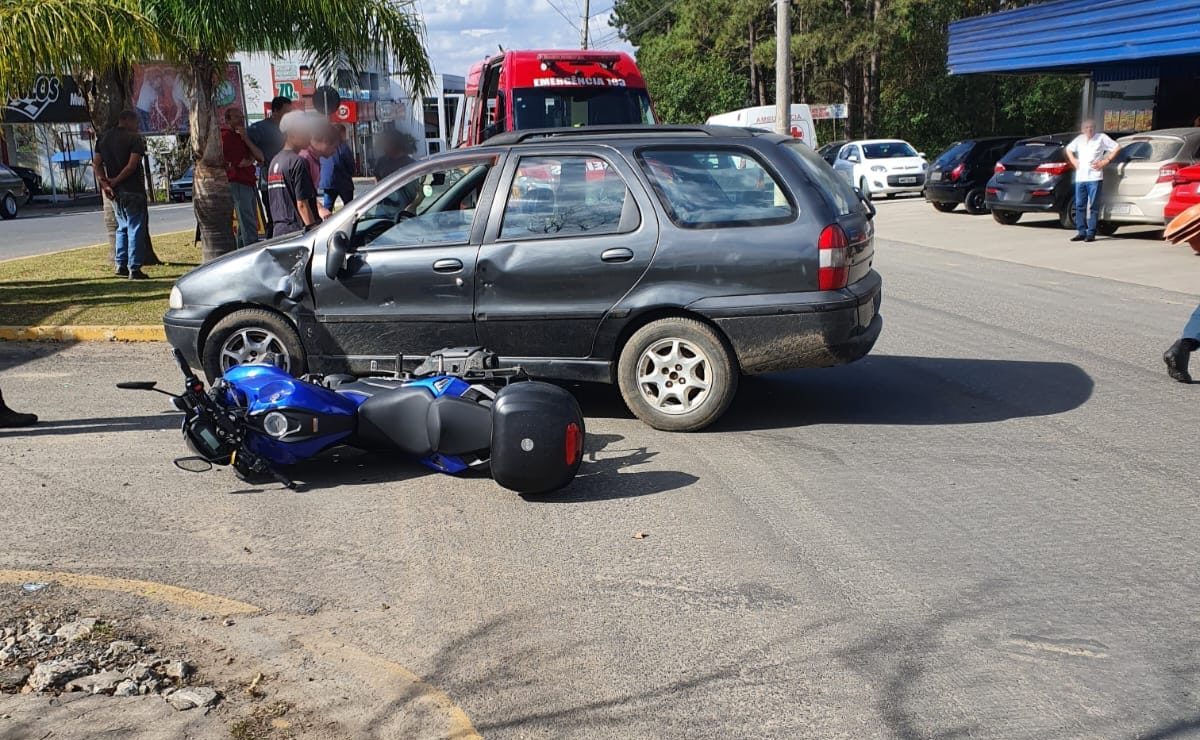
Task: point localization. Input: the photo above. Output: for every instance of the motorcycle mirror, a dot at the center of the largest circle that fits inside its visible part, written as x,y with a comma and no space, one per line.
137,385
193,464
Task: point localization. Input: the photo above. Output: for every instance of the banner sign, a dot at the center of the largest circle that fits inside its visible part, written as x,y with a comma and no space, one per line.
827,112
54,99
161,100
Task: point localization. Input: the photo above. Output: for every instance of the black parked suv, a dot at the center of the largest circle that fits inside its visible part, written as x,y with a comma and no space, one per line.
1034,177
668,260
960,174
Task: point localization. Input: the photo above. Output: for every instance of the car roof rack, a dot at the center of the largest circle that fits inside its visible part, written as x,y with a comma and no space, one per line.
517,137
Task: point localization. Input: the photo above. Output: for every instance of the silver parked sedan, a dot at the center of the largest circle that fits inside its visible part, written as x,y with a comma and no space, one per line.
12,192
1138,183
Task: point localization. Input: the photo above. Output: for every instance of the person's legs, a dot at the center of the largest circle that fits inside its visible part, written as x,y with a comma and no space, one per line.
137,213
1081,193
1093,209
10,418
244,200
121,246
1177,354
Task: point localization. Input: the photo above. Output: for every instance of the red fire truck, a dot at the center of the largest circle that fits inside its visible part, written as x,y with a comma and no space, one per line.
544,89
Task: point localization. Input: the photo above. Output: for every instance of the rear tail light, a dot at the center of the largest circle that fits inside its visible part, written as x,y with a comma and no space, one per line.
1167,172
1040,193
993,191
573,443
1054,168
957,172
999,168
833,248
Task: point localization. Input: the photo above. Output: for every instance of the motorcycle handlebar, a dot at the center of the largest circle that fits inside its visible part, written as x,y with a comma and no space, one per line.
183,365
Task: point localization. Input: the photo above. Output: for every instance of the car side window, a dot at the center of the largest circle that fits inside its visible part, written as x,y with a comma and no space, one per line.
570,195
436,207
704,188
845,152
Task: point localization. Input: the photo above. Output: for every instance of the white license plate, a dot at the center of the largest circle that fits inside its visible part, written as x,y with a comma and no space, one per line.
1120,210
935,177
907,180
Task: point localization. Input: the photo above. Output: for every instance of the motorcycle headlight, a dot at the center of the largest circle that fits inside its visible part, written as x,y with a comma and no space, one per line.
275,424
176,299
878,168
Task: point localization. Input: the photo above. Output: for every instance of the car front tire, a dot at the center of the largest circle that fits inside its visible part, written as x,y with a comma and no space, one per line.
944,207
677,375
251,335
1008,218
1066,217
8,206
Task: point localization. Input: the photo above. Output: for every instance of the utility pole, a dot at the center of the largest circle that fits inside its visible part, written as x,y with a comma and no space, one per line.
783,67
583,31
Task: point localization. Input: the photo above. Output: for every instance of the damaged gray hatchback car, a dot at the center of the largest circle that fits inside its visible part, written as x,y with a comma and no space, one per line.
667,260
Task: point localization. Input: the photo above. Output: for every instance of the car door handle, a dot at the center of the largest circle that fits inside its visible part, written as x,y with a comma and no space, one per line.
448,265
619,254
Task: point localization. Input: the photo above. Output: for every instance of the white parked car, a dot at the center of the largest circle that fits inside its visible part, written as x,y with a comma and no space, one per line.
882,167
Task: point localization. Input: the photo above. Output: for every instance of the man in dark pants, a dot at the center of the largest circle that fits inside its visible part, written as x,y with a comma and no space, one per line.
1178,354
290,187
10,418
118,164
265,135
1089,153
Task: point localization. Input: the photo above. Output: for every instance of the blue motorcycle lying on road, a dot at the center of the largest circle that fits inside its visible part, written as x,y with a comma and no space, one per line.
457,411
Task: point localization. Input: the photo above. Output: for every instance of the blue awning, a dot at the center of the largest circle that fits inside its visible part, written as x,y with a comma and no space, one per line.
78,155
1074,35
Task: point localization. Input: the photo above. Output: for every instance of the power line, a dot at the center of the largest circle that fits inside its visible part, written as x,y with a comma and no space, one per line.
636,26
565,17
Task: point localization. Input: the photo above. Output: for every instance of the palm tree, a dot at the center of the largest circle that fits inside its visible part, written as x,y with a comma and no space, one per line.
200,36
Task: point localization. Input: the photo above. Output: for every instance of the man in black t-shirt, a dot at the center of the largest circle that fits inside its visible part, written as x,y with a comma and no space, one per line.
291,191
118,164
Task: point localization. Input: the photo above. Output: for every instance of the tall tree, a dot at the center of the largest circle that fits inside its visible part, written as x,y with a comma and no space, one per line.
200,36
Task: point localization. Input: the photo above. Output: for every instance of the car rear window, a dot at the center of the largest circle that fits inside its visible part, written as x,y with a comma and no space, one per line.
716,187
954,155
836,191
1149,149
1034,152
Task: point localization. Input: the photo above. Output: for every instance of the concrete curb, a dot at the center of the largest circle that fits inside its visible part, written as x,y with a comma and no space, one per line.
82,334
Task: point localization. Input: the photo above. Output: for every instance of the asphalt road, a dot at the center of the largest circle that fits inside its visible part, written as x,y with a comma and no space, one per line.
43,230
986,529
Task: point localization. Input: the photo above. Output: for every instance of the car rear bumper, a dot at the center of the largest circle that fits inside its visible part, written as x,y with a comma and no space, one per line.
939,193
800,330
1124,210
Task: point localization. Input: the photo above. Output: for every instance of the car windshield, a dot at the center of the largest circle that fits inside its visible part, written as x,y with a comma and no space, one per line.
1147,149
888,150
954,155
834,188
580,106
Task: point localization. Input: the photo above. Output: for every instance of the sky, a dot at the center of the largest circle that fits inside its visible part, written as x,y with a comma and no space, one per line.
462,32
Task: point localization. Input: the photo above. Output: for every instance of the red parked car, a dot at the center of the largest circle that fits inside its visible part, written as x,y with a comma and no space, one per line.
1186,192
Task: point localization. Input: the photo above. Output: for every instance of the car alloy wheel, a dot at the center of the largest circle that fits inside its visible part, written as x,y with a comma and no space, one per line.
252,345
674,376
976,202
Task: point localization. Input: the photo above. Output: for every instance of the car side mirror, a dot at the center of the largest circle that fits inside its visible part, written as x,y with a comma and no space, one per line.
336,252
852,158
921,155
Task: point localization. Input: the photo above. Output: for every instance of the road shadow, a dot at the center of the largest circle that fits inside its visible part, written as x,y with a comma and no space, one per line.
16,354
605,474
886,389
902,390
95,425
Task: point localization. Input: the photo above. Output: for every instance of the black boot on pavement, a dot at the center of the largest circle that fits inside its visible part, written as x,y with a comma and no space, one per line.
10,418
1177,356
138,275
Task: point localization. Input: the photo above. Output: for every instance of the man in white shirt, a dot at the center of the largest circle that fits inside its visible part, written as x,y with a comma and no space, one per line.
1089,153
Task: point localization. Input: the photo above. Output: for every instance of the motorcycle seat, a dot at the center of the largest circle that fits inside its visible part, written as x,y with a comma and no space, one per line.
398,418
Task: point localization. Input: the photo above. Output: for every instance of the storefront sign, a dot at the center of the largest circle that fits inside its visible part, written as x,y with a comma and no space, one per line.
827,112
53,99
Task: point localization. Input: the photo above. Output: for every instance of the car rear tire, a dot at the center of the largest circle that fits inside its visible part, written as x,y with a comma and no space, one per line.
8,206
976,202
677,374
944,207
1008,218
1066,217
1107,228
250,335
